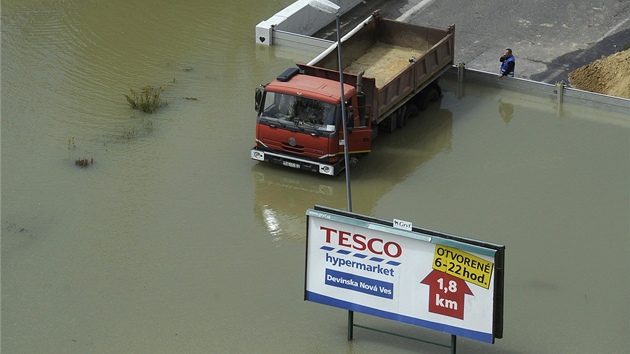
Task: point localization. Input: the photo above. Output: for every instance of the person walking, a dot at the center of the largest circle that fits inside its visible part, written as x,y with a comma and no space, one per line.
507,63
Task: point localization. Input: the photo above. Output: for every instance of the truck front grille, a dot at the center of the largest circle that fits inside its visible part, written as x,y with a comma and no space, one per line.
297,149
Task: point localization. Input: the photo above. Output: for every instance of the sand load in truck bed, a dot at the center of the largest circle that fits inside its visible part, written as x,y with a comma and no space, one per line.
383,61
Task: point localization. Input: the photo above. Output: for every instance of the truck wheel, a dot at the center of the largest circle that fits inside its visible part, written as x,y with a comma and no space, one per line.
428,95
410,111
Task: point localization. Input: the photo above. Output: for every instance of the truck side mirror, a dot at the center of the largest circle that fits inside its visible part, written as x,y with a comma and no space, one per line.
258,98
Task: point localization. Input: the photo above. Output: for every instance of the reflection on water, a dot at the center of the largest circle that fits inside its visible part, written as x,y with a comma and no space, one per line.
155,248
282,201
506,110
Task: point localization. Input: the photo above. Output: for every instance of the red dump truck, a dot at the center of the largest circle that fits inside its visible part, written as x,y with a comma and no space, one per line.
390,73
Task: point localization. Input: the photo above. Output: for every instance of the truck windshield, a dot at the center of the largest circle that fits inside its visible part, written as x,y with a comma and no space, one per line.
301,111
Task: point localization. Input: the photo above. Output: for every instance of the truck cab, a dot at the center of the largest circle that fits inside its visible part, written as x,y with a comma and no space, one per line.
299,123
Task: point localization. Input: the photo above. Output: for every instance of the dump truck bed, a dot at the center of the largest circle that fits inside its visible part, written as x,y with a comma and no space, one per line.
383,49
384,61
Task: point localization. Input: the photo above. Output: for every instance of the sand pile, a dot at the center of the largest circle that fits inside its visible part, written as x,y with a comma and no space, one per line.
608,75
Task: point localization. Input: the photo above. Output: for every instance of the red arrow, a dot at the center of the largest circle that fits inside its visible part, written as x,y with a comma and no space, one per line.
446,294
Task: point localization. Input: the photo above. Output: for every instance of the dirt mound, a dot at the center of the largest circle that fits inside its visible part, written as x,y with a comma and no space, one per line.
608,75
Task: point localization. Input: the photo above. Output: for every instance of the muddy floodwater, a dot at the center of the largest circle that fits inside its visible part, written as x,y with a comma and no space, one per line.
172,240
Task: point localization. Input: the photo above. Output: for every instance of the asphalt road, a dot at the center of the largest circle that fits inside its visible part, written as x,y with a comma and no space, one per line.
549,38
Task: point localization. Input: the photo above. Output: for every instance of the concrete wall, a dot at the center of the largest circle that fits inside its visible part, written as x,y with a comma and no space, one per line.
299,18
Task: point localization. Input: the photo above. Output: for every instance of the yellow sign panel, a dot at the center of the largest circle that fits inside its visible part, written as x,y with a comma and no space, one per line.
463,265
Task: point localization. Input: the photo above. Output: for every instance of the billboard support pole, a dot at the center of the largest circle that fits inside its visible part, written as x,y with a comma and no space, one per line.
350,324
332,8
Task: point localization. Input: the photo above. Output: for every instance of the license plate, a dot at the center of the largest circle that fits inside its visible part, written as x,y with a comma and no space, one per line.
291,164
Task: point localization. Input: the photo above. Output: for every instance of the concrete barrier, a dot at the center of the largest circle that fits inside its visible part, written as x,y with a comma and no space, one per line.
297,22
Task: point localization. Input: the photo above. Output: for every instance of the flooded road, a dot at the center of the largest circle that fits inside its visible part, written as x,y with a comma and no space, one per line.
173,240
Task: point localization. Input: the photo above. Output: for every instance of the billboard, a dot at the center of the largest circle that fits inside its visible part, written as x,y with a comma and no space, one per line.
421,277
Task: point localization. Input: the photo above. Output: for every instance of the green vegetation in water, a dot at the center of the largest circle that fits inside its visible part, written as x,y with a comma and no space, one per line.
84,162
147,99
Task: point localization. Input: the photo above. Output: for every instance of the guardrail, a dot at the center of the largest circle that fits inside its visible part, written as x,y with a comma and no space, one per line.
301,42
559,92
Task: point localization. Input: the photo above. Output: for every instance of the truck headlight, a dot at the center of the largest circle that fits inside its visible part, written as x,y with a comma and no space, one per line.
327,170
258,155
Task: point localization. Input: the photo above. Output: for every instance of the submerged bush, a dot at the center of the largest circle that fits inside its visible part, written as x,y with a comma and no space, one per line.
147,100
83,162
